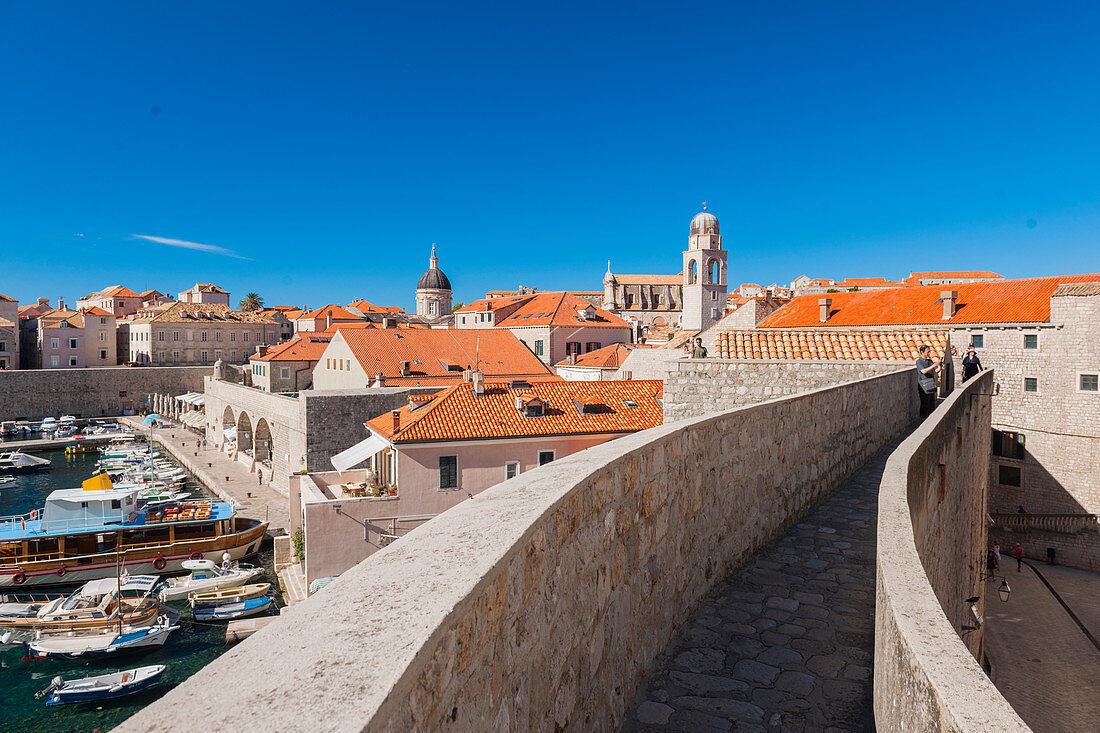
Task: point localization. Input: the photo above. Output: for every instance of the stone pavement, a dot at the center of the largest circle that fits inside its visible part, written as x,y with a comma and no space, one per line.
786,643
1040,659
230,480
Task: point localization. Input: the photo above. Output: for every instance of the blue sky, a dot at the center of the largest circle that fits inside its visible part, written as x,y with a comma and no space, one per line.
321,148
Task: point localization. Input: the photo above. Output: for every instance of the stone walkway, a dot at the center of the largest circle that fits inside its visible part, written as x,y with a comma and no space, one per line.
786,643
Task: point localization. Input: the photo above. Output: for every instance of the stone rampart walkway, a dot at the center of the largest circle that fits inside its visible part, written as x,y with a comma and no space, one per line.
786,643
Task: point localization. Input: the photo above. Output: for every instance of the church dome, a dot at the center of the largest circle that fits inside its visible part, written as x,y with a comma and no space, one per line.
433,279
704,223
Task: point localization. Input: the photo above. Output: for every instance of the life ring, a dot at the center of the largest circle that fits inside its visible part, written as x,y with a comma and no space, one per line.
131,517
196,556
159,562
18,578
61,572
34,514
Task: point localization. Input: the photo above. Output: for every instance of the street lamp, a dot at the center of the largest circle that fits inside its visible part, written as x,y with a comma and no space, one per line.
1004,590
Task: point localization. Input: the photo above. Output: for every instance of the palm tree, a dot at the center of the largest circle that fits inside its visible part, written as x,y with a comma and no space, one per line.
251,302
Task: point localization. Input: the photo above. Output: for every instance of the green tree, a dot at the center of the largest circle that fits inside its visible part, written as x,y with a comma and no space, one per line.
251,302
457,306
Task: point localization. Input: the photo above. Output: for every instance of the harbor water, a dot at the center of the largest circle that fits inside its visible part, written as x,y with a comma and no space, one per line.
190,648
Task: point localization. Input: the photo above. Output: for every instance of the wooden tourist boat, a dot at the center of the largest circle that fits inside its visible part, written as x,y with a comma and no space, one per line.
95,604
79,533
228,595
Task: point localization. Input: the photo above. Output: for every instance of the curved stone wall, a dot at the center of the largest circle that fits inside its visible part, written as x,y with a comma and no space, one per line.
542,602
931,552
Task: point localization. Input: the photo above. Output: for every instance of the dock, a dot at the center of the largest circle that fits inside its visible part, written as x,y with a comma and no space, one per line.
230,480
243,628
40,444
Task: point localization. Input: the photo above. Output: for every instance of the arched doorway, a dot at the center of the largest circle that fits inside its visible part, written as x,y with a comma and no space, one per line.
244,433
263,441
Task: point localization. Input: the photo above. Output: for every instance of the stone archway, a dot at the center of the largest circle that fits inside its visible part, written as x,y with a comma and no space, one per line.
714,274
692,273
263,441
228,420
244,432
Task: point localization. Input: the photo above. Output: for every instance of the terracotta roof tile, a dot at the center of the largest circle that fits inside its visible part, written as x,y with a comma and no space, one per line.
609,357
993,301
336,312
304,347
118,291
178,312
543,309
1077,289
364,306
956,273
570,408
827,344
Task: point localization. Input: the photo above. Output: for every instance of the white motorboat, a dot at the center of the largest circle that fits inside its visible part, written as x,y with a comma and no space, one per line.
6,479
207,575
18,461
102,687
100,643
48,425
96,605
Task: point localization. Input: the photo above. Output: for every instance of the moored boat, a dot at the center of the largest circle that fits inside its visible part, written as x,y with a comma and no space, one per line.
205,575
76,536
230,611
228,595
101,643
102,687
96,604
17,461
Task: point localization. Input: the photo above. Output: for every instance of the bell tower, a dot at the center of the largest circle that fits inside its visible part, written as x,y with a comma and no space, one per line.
704,273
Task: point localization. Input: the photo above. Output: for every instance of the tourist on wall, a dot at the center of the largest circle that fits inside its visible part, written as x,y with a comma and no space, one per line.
1019,552
928,370
990,563
997,553
700,351
971,364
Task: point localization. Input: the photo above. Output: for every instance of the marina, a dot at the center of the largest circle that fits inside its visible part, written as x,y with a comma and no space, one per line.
171,638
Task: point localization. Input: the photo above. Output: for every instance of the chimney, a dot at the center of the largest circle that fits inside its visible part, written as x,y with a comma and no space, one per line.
396,415
44,301
381,380
60,304
949,298
261,350
328,320
406,367
478,380
572,358
825,304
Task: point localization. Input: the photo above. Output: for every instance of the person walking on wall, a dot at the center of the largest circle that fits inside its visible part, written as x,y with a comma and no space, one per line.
1019,552
990,563
971,364
928,369
997,553
700,351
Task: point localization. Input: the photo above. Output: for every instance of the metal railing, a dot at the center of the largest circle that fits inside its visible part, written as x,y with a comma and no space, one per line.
1062,523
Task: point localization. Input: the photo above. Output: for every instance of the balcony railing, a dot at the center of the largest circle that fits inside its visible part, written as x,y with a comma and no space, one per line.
1062,523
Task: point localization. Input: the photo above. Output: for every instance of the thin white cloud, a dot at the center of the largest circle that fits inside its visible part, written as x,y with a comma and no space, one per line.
211,248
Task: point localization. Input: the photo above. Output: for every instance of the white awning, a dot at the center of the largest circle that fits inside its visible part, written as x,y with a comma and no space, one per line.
358,453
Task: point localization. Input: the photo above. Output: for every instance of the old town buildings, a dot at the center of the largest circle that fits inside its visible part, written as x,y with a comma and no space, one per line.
9,332
197,333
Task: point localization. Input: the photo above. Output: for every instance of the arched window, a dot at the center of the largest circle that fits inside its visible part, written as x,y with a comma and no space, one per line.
691,273
714,269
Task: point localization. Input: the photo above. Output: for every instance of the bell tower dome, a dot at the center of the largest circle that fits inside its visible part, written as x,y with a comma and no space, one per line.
704,273
433,291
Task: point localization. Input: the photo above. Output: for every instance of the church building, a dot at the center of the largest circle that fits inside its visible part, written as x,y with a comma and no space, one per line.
433,295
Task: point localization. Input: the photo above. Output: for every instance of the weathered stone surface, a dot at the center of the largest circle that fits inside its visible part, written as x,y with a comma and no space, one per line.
653,713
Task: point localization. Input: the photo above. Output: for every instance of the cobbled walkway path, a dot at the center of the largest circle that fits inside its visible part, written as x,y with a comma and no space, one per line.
786,643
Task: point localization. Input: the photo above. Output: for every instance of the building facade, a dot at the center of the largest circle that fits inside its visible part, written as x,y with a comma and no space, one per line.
205,294
433,294
9,332
75,339
185,333
116,299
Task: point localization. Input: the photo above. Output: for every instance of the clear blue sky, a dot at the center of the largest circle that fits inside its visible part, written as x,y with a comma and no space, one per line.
330,144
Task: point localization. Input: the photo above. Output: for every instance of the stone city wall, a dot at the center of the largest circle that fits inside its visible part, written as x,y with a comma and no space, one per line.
931,542
33,394
1075,538
542,602
700,386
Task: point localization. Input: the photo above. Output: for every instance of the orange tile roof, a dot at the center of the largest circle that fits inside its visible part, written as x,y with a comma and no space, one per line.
8,298
365,306
304,347
544,309
336,312
609,357
957,273
878,282
430,350
118,291
180,312
676,279
93,311
992,301
826,344
1077,290
457,414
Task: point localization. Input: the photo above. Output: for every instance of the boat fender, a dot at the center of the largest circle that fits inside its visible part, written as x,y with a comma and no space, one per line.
61,572
196,556
18,578
114,688
159,562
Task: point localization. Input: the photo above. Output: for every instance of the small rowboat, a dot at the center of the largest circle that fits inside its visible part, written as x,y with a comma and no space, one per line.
206,576
102,687
229,611
6,479
228,595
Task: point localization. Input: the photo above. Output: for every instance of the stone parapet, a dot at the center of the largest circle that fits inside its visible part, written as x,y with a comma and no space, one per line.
931,542
542,602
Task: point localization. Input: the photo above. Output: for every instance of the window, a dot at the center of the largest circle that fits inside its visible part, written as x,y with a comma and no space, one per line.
448,472
103,353
628,301
538,347
3,345
103,321
977,340
1031,340
175,356
431,308
714,295
1088,382
102,335
545,456
72,343
175,335
205,356
244,336
284,373
217,335
202,336
1031,384
160,335
55,343
116,504
55,361
217,354
1008,445
656,300
591,346
161,356
511,469
1009,476
572,348
232,335
72,361
533,410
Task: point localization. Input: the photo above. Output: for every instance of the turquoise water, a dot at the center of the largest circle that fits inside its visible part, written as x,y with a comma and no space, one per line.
190,648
